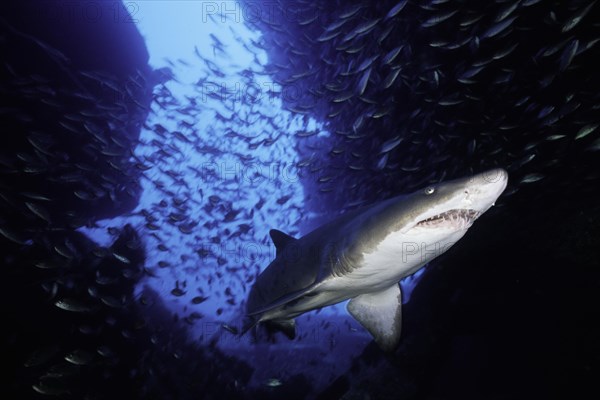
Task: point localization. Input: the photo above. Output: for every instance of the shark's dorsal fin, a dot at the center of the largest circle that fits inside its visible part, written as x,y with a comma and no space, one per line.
380,313
280,239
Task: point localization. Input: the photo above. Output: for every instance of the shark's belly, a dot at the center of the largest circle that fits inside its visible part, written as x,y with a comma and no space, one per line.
397,256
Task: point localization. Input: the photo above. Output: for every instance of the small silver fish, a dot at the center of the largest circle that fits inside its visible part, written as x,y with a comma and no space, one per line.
530,178
273,382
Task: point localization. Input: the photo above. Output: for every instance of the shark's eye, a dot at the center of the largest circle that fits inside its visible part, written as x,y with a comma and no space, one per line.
429,190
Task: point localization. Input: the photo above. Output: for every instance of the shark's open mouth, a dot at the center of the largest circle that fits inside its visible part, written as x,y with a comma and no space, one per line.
457,219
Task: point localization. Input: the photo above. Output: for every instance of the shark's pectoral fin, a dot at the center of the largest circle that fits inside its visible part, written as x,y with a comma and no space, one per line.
381,314
287,326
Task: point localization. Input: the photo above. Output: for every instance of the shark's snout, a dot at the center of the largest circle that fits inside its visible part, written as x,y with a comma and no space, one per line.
485,188
495,176
494,181
463,201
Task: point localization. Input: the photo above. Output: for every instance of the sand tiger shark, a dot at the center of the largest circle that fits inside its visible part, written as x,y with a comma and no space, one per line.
362,255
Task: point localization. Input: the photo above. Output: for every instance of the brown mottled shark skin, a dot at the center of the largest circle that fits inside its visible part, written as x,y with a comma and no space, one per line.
362,255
